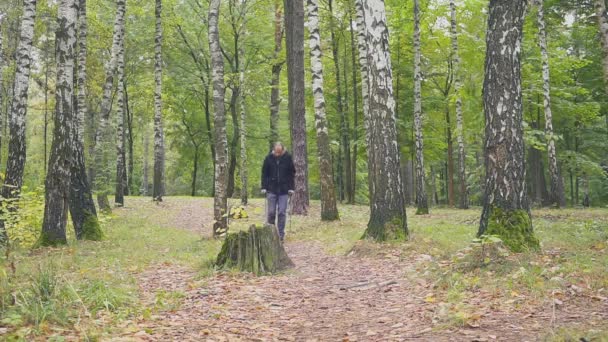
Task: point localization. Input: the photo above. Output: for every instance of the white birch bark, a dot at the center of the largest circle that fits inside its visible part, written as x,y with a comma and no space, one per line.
464,197
159,139
387,218
15,164
329,210
220,202
421,198
362,47
557,187
57,185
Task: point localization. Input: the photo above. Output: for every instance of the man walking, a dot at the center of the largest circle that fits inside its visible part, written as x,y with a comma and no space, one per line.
278,174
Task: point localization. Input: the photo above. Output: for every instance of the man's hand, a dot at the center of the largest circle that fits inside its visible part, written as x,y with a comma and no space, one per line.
263,191
290,192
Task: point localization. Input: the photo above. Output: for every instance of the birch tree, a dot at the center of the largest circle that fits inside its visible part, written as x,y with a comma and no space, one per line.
294,29
362,47
244,165
387,217
344,122
464,196
121,172
101,171
506,210
602,19
15,163
220,202
57,185
422,204
277,66
82,206
329,210
557,186
159,140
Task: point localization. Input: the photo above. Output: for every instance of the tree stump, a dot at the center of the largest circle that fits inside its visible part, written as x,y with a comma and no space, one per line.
257,250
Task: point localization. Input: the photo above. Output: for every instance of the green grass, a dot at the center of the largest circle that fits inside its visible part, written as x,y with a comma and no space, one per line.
73,286
87,289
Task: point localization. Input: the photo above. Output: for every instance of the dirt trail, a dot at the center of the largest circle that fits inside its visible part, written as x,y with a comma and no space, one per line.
337,298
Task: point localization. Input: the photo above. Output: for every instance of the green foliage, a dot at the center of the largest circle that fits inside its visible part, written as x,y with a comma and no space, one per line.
23,216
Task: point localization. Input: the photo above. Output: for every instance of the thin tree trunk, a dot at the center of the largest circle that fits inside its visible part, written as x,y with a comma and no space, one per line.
450,156
129,121
102,174
2,62
212,143
244,177
362,47
81,203
144,181
234,142
220,203
294,28
344,122
277,66
602,19
353,51
464,196
46,103
57,185
15,163
119,198
557,186
388,217
329,209
194,171
422,205
159,140
506,210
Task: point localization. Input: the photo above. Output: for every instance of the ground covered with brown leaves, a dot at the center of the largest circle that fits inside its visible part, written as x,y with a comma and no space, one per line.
372,292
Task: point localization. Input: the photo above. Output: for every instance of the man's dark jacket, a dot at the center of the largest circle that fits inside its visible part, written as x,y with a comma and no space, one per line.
278,174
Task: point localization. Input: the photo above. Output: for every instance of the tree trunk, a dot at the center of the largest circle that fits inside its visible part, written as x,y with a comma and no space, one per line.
46,103
144,179
362,47
234,142
2,89
57,185
81,203
121,172
210,136
344,122
294,29
602,18
387,218
275,96
244,177
422,204
129,121
506,211
159,140
329,209
103,136
194,172
462,174
15,163
220,203
353,51
257,250
558,197
450,156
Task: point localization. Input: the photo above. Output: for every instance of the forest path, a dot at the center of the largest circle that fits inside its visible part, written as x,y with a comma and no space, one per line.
376,293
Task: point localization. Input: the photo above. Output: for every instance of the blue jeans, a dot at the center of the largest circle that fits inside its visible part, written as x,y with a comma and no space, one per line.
274,202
